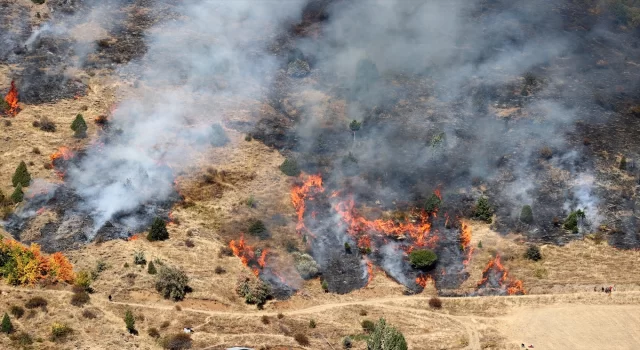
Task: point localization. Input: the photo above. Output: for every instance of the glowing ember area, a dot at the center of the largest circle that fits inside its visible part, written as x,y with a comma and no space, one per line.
248,256
63,153
101,120
422,280
12,100
419,231
299,194
495,276
465,241
369,271
134,237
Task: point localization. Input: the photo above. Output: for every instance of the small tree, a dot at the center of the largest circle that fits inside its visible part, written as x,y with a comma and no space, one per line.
385,337
526,214
355,126
79,127
290,167
347,247
533,253
422,259
139,259
172,283
253,290
312,323
158,231
6,326
483,210
258,229
571,222
432,203
17,196
479,244
325,286
83,279
623,163
151,268
21,175
129,321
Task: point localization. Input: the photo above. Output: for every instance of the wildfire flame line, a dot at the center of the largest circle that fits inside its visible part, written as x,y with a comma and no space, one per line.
513,286
12,100
299,194
247,255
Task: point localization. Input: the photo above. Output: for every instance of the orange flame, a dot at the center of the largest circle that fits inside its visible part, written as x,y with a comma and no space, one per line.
247,255
64,153
465,235
369,271
311,186
513,287
12,100
134,237
422,280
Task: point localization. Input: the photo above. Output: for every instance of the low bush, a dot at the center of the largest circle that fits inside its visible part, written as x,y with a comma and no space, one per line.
435,303
306,266
130,321
363,312
79,299
422,259
89,314
533,253
22,340
483,210
47,125
265,319
218,136
158,231
253,290
290,167
35,302
432,203
385,337
301,339
189,243
259,229
225,251
60,331
139,258
179,341
220,270
153,333
312,324
526,214
151,268
16,311
571,222
172,283
368,326
347,343
280,315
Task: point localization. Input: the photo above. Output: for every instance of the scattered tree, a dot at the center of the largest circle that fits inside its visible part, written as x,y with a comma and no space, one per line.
526,214
355,126
17,196
571,222
422,259
290,167
79,127
172,283
138,258
385,337
432,204
533,253
6,326
151,268
483,210
479,244
158,231
21,175
253,290
130,321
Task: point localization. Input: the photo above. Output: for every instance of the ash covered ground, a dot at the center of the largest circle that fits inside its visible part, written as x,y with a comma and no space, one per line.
525,103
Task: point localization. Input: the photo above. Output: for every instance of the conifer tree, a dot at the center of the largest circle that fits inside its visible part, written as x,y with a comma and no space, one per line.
151,268
21,176
129,321
17,196
79,126
158,231
6,326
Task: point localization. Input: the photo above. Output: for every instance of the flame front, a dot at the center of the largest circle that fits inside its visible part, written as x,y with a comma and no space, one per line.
247,255
422,280
299,194
64,153
12,100
513,287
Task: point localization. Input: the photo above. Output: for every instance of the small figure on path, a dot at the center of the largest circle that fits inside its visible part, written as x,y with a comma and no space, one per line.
109,297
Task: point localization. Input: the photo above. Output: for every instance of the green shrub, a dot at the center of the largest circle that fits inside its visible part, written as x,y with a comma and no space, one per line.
623,163
158,231
60,331
6,326
301,339
218,135
306,266
355,125
533,253
253,290
347,343
138,258
38,2
21,176
422,258
16,311
130,321
571,222
83,279
432,203
290,167
347,247
79,127
35,302
479,244
17,196
258,229
172,282
368,326
79,299
385,337
438,140
22,340
4,106
151,268
179,341
483,210
526,214
325,286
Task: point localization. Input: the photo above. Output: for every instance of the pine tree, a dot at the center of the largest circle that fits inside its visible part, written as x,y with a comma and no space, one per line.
17,196
21,176
6,326
158,231
129,321
79,126
151,268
